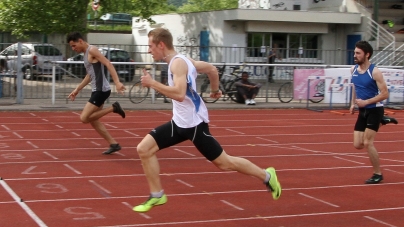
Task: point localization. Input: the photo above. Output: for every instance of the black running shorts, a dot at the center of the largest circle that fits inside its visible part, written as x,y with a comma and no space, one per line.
369,118
169,134
98,97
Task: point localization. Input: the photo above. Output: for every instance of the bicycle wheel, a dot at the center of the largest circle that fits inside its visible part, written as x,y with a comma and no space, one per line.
285,92
205,93
138,93
320,98
232,91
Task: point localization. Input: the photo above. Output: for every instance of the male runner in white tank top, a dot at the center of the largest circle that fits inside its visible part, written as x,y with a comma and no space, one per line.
94,62
369,91
190,121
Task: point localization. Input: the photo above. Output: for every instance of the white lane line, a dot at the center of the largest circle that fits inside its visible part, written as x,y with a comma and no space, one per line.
76,134
95,143
5,127
141,214
76,113
32,114
59,126
119,153
273,141
50,155
218,222
45,119
33,145
185,183
231,130
394,171
311,197
100,187
72,169
378,221
163,113
18,135
232,205
184,152
349,160
111,126
133,134
22,204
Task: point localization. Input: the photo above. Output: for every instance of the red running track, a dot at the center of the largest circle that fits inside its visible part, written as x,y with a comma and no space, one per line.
53,172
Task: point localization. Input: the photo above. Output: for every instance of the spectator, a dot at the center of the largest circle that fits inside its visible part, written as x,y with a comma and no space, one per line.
247,90
273,54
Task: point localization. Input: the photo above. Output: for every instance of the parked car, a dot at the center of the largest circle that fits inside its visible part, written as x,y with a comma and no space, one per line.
125,72
36,59
117,18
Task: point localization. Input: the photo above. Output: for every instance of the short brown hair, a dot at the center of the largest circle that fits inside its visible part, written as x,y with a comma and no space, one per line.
162,35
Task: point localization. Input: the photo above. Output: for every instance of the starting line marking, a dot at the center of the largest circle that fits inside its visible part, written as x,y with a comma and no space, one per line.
311,197
232,205
71,168
381,222
22,204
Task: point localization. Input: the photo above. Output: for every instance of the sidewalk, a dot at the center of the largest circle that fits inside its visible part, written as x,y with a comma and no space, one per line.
9,104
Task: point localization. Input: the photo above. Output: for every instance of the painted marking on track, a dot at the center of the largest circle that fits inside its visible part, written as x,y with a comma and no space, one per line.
378,221
185,183
394,171
5,127
22,204
100,187
141,214
95,143
76,134
184,152
232,205
18,135
119,153
257,218
349,160
59,126
32,114
28,171
133,134
231,130
311,197
163,113
111,126
45,120
72,169
76,113
273,141
33,145
50,155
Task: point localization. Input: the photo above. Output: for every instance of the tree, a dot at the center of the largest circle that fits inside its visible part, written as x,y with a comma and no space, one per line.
21,17
207,5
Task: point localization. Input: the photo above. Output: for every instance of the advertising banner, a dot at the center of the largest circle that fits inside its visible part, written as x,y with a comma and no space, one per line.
300,83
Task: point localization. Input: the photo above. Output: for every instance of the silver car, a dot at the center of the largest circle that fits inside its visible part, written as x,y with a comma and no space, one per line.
36,59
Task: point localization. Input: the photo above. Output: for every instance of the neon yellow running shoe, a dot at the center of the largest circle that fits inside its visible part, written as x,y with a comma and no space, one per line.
151,202
273,185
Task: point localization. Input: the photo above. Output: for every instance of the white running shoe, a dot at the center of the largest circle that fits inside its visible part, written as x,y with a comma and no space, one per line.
252,102
247,102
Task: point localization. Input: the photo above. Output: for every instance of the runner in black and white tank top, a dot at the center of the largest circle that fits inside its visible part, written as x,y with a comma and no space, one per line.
99,81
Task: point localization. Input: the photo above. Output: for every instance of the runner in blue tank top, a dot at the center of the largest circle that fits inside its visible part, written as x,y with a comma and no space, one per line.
368,94
94,62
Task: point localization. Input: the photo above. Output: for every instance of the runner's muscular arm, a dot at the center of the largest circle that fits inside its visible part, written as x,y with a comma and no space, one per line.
352,107
179,68
211,71
83,83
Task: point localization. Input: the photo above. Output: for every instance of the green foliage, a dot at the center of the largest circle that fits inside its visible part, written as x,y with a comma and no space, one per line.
23,16
207,5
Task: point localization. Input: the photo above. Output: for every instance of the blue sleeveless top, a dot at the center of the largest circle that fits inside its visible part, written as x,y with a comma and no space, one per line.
365,85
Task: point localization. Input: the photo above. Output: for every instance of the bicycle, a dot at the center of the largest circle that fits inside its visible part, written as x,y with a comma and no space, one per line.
285,92
226,85
138,93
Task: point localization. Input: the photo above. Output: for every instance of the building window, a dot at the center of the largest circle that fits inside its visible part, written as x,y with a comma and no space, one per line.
289,45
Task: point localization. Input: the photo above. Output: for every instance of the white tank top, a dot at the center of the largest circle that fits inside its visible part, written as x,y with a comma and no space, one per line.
192,111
